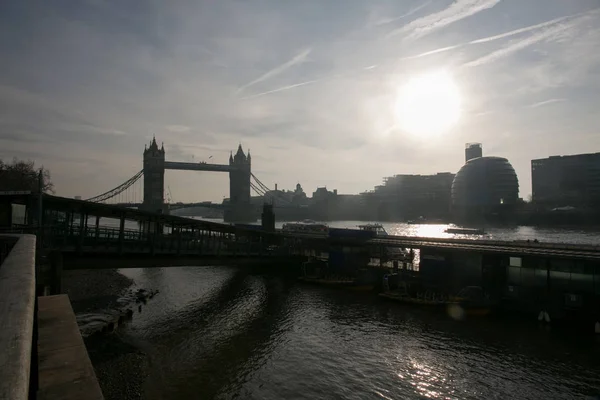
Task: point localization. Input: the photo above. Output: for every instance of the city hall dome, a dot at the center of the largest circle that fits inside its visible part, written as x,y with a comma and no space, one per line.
484,182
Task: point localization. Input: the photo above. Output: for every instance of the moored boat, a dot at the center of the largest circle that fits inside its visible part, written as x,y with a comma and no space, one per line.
377,229
306,226
420,301
465,231
402,295
317,272
473,301
344,283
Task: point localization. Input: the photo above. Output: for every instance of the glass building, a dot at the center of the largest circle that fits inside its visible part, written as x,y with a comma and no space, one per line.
484,183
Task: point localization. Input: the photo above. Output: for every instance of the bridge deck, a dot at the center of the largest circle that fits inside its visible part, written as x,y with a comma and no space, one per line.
65,370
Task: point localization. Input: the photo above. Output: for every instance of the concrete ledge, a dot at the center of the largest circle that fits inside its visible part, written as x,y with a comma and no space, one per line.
17,308
65,369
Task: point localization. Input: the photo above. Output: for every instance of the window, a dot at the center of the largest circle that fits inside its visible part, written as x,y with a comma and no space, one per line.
515,261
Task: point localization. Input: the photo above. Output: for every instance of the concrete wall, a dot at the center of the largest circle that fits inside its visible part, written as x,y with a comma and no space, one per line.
17,308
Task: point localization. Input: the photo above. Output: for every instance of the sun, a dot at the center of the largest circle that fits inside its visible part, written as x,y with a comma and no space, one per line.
428,104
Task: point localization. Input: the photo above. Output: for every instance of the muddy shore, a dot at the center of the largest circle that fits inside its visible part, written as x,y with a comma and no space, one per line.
121,368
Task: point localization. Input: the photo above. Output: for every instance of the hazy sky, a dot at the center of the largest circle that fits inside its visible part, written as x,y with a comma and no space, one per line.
309,86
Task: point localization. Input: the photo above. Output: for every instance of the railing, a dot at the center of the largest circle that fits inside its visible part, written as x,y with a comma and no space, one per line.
17,315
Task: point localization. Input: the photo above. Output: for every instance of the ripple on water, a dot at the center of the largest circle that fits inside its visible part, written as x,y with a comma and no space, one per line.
259,337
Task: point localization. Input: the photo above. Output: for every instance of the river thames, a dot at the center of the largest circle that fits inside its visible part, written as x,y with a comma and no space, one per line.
222,333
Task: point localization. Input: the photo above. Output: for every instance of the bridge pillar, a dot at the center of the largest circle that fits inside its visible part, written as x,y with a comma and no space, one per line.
240,208
154,179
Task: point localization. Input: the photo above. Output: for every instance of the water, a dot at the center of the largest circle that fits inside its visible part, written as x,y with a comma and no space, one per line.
221,333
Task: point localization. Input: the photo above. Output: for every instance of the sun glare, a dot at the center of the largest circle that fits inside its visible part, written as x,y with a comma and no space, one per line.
428,104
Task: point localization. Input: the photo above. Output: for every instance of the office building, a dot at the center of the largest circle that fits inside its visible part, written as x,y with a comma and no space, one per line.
561,181
412,196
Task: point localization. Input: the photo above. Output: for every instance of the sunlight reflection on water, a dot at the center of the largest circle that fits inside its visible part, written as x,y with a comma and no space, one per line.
223,333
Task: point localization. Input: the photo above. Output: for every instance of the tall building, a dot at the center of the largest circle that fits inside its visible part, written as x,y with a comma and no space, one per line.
560,181
473,150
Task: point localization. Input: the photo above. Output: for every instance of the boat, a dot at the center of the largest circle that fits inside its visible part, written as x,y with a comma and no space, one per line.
345,283
473,301
465,231
378,229
316,271
306,226
427,298
420,301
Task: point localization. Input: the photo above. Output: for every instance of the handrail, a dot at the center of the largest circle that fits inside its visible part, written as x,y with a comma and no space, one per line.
17,313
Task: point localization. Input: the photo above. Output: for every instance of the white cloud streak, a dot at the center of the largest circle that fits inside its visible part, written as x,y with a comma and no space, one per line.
281,89
297,59
521,30
385,21
554,29
493,38
546,102
458,10
519,45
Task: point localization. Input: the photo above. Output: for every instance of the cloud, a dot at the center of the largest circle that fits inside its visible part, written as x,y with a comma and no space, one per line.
521,30
491,38
156,68
383,20
297,59
178,128
458,10
281,89
546,102
547,34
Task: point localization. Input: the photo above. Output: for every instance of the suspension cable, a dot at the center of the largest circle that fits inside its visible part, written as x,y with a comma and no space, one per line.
118,190
275,194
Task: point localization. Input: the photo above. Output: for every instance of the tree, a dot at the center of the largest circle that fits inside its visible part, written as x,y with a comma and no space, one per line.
23,175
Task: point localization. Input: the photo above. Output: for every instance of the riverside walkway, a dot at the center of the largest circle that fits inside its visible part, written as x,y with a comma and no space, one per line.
42,355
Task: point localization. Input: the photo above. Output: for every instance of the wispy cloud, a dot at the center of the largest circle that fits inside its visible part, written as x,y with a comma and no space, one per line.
521,30
297,59
493,38
553,30
281,89
546,34
384,21
458,10
436,51
546,102
178,128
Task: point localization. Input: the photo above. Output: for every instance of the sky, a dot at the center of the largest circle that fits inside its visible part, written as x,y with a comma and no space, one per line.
310,87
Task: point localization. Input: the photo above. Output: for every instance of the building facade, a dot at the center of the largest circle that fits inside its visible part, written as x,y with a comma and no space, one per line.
484,186
413,196
561,181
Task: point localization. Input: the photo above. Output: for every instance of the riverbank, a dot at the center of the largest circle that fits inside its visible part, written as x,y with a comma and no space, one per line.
93,290
120,367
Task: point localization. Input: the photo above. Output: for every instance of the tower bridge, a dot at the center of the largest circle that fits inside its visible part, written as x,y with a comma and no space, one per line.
239,170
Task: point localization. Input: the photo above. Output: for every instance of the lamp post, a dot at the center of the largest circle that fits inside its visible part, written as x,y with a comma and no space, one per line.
40,209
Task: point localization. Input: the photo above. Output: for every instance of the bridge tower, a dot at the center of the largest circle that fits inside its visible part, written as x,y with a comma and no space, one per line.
240,209
154,178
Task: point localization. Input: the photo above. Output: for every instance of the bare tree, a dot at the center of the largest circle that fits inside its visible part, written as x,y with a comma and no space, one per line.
23,175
